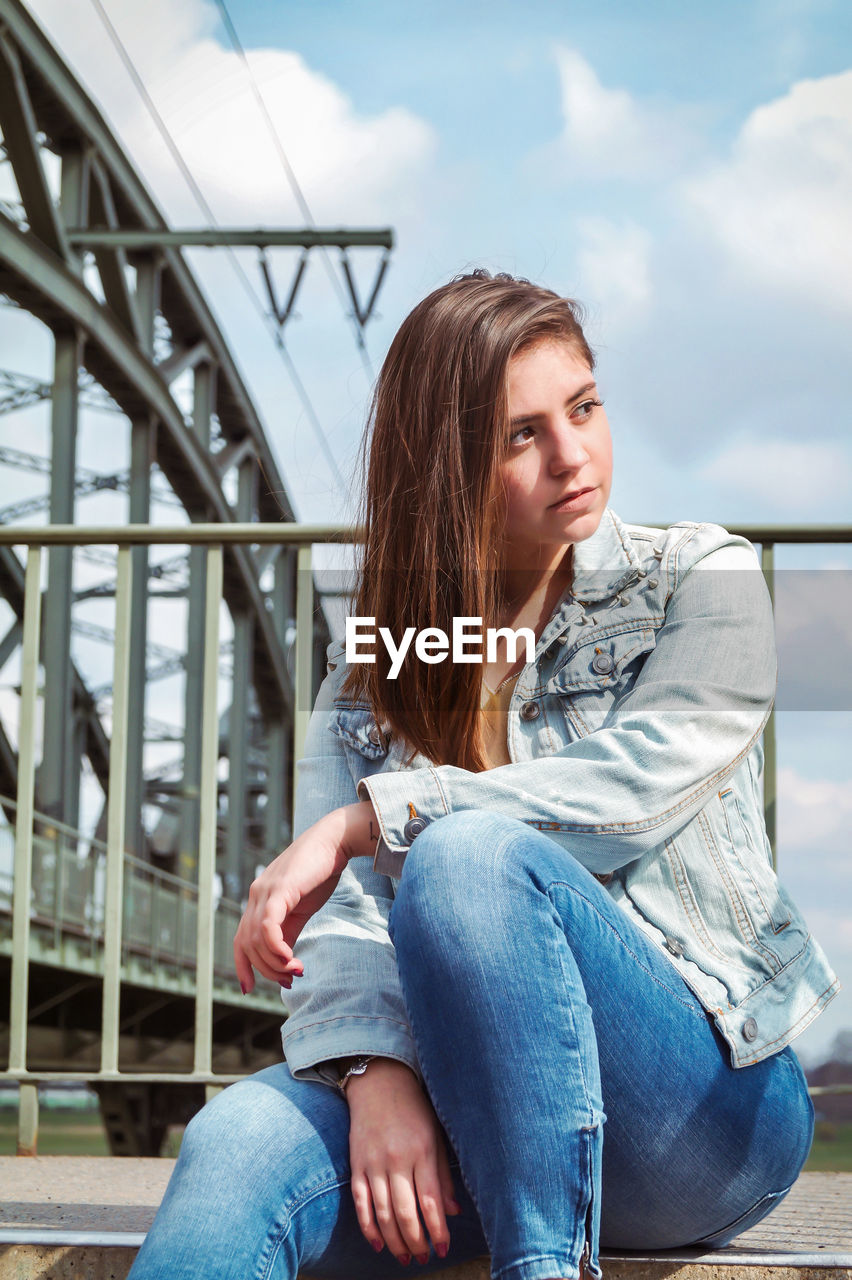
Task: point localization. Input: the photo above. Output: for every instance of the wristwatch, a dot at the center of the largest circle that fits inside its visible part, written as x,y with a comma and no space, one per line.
357,1067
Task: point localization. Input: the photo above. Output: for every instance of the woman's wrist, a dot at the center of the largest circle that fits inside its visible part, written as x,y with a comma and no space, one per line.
360,831
381,1073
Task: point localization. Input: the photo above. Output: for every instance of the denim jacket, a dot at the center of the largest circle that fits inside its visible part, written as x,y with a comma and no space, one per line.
635,741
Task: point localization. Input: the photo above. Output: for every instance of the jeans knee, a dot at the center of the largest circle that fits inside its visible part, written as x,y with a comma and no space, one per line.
217,1128
453,875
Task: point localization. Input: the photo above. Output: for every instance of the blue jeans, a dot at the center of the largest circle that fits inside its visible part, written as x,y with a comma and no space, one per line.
586,1096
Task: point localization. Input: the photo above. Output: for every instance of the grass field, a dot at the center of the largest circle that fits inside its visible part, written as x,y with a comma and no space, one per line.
79,1133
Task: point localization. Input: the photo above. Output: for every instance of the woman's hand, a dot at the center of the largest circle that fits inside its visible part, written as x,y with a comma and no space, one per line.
288,892
398,1159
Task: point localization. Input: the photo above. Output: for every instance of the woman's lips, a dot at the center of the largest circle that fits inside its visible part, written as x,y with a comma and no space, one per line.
574,502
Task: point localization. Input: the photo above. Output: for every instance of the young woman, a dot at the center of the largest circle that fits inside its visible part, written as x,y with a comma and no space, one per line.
541,978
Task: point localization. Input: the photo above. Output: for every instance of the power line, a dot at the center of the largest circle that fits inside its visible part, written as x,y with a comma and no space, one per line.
198,194
291,177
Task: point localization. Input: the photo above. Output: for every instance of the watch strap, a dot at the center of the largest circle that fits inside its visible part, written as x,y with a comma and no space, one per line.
357,1067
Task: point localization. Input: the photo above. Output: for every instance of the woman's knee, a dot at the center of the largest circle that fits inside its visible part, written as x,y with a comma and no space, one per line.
266,1121
442,861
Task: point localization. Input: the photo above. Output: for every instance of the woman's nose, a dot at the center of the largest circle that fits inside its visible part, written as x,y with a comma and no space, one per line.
568,451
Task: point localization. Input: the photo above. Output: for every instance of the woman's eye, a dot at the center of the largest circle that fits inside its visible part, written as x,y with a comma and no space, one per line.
515,437
584,411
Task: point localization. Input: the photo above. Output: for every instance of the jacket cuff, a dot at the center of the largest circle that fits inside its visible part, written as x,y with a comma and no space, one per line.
310,1051
405,803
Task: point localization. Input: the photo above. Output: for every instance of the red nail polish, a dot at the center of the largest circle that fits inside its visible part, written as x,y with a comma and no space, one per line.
243,989
422,1258
455,1207
378,1245
441,1249
405,1258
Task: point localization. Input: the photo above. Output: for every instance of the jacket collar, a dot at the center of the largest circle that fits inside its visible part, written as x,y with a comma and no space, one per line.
605,562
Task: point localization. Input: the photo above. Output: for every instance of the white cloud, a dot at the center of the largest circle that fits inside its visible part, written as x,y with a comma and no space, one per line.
781,206
370,166
798,477
814,814
609,132
613,259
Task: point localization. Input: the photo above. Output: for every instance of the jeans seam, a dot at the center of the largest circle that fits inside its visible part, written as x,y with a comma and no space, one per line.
284,1229
699,1013
561,1263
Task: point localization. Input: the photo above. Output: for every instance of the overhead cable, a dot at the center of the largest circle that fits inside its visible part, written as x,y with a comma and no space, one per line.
208,213
290,174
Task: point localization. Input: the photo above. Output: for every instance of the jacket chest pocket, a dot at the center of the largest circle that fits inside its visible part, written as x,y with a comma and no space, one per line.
596,673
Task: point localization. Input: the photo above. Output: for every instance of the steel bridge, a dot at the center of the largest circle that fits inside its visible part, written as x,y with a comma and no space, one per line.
91,274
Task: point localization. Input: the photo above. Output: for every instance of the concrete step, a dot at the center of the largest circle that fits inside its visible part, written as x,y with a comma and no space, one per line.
83,1218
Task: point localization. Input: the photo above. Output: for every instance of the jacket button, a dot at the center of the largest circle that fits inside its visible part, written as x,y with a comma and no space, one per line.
550,651
413,827
602,663
530,711
674,945
652,582
750,1030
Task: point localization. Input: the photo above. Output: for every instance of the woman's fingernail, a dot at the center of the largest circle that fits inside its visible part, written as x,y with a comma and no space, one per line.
422,1258
455,1207
243,989
405,1258
378,1245
441,1249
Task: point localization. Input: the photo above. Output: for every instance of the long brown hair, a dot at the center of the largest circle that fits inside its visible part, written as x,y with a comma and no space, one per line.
433,507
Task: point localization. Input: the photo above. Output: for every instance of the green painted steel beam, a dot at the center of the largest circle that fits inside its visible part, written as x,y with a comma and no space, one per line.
20,128
50,290
104,237
56,642
76,117
111,260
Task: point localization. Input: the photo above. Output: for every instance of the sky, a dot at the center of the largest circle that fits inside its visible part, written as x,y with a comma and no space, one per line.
684,170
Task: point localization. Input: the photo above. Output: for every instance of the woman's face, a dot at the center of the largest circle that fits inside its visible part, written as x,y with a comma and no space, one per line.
557,470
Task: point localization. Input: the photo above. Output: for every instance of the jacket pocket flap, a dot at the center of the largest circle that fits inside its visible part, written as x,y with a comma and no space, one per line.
599,662
357,727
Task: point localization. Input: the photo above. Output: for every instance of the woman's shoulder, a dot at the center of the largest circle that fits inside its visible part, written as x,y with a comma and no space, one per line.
688,544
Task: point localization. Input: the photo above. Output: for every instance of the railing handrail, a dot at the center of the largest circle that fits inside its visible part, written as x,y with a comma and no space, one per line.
292,534
215,537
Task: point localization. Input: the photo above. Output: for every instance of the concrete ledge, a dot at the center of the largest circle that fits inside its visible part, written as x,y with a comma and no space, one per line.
82,1218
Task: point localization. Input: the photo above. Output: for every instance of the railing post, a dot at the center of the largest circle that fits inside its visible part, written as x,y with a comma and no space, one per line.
770,754
115,820
27,1118
207,819
304,655
24,815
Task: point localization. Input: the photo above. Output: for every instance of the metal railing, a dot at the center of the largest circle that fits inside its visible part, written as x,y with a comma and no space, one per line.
117,869
68,901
